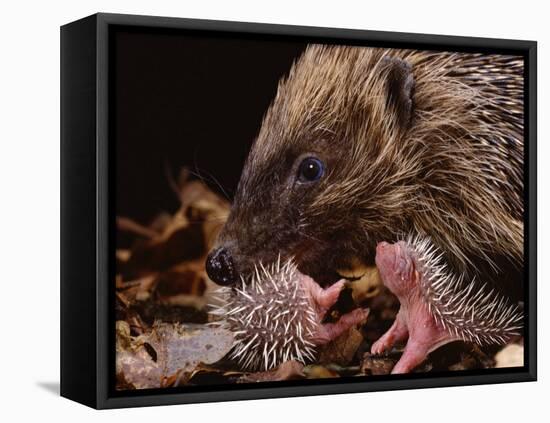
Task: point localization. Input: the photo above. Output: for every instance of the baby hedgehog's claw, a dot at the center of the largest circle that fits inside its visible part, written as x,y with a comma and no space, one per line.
322,300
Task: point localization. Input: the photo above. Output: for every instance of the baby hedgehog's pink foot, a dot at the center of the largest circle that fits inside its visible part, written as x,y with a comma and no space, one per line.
322,300
396,333
398,272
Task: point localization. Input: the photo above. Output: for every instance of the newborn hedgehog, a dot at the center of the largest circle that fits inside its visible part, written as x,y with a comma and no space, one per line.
437,308
361,145
275,316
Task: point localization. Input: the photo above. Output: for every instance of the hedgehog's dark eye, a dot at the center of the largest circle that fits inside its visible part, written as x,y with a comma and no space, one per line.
311,169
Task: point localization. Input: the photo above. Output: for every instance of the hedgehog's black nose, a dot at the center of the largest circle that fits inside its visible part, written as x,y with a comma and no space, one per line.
220,267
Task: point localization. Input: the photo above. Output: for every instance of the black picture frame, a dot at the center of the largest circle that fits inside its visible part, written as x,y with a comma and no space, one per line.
87,330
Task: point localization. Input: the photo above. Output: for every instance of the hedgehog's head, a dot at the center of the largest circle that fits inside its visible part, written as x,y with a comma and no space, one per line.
322,182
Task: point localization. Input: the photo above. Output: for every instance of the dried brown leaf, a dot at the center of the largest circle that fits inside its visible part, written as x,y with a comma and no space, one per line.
319,372
289,370
157,358
342,350
510,356
375,365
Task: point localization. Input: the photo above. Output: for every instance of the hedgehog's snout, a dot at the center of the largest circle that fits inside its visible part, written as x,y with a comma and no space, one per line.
220,267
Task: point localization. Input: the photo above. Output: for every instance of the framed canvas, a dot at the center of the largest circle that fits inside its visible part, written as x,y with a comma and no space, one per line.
258,211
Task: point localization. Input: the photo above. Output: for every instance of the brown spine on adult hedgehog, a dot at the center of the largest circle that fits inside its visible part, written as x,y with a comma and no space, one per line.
362,145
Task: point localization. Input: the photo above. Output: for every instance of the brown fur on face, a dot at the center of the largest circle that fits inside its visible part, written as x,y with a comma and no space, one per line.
413,141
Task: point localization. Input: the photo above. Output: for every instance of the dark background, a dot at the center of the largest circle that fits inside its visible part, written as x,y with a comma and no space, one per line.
187,99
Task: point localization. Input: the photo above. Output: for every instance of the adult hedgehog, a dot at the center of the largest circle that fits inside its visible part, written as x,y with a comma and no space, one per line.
363,145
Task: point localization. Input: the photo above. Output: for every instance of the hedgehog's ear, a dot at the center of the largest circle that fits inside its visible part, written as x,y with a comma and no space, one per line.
400,87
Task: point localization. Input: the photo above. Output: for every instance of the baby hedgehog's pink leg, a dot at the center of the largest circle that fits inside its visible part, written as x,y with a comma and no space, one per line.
398,272
322,300
396,333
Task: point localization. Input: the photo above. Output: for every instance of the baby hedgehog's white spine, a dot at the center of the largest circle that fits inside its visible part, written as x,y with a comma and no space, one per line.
468,310
270,316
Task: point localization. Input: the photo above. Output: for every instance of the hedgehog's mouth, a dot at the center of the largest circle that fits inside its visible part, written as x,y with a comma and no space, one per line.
323,278
328,262
358,288
317,269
